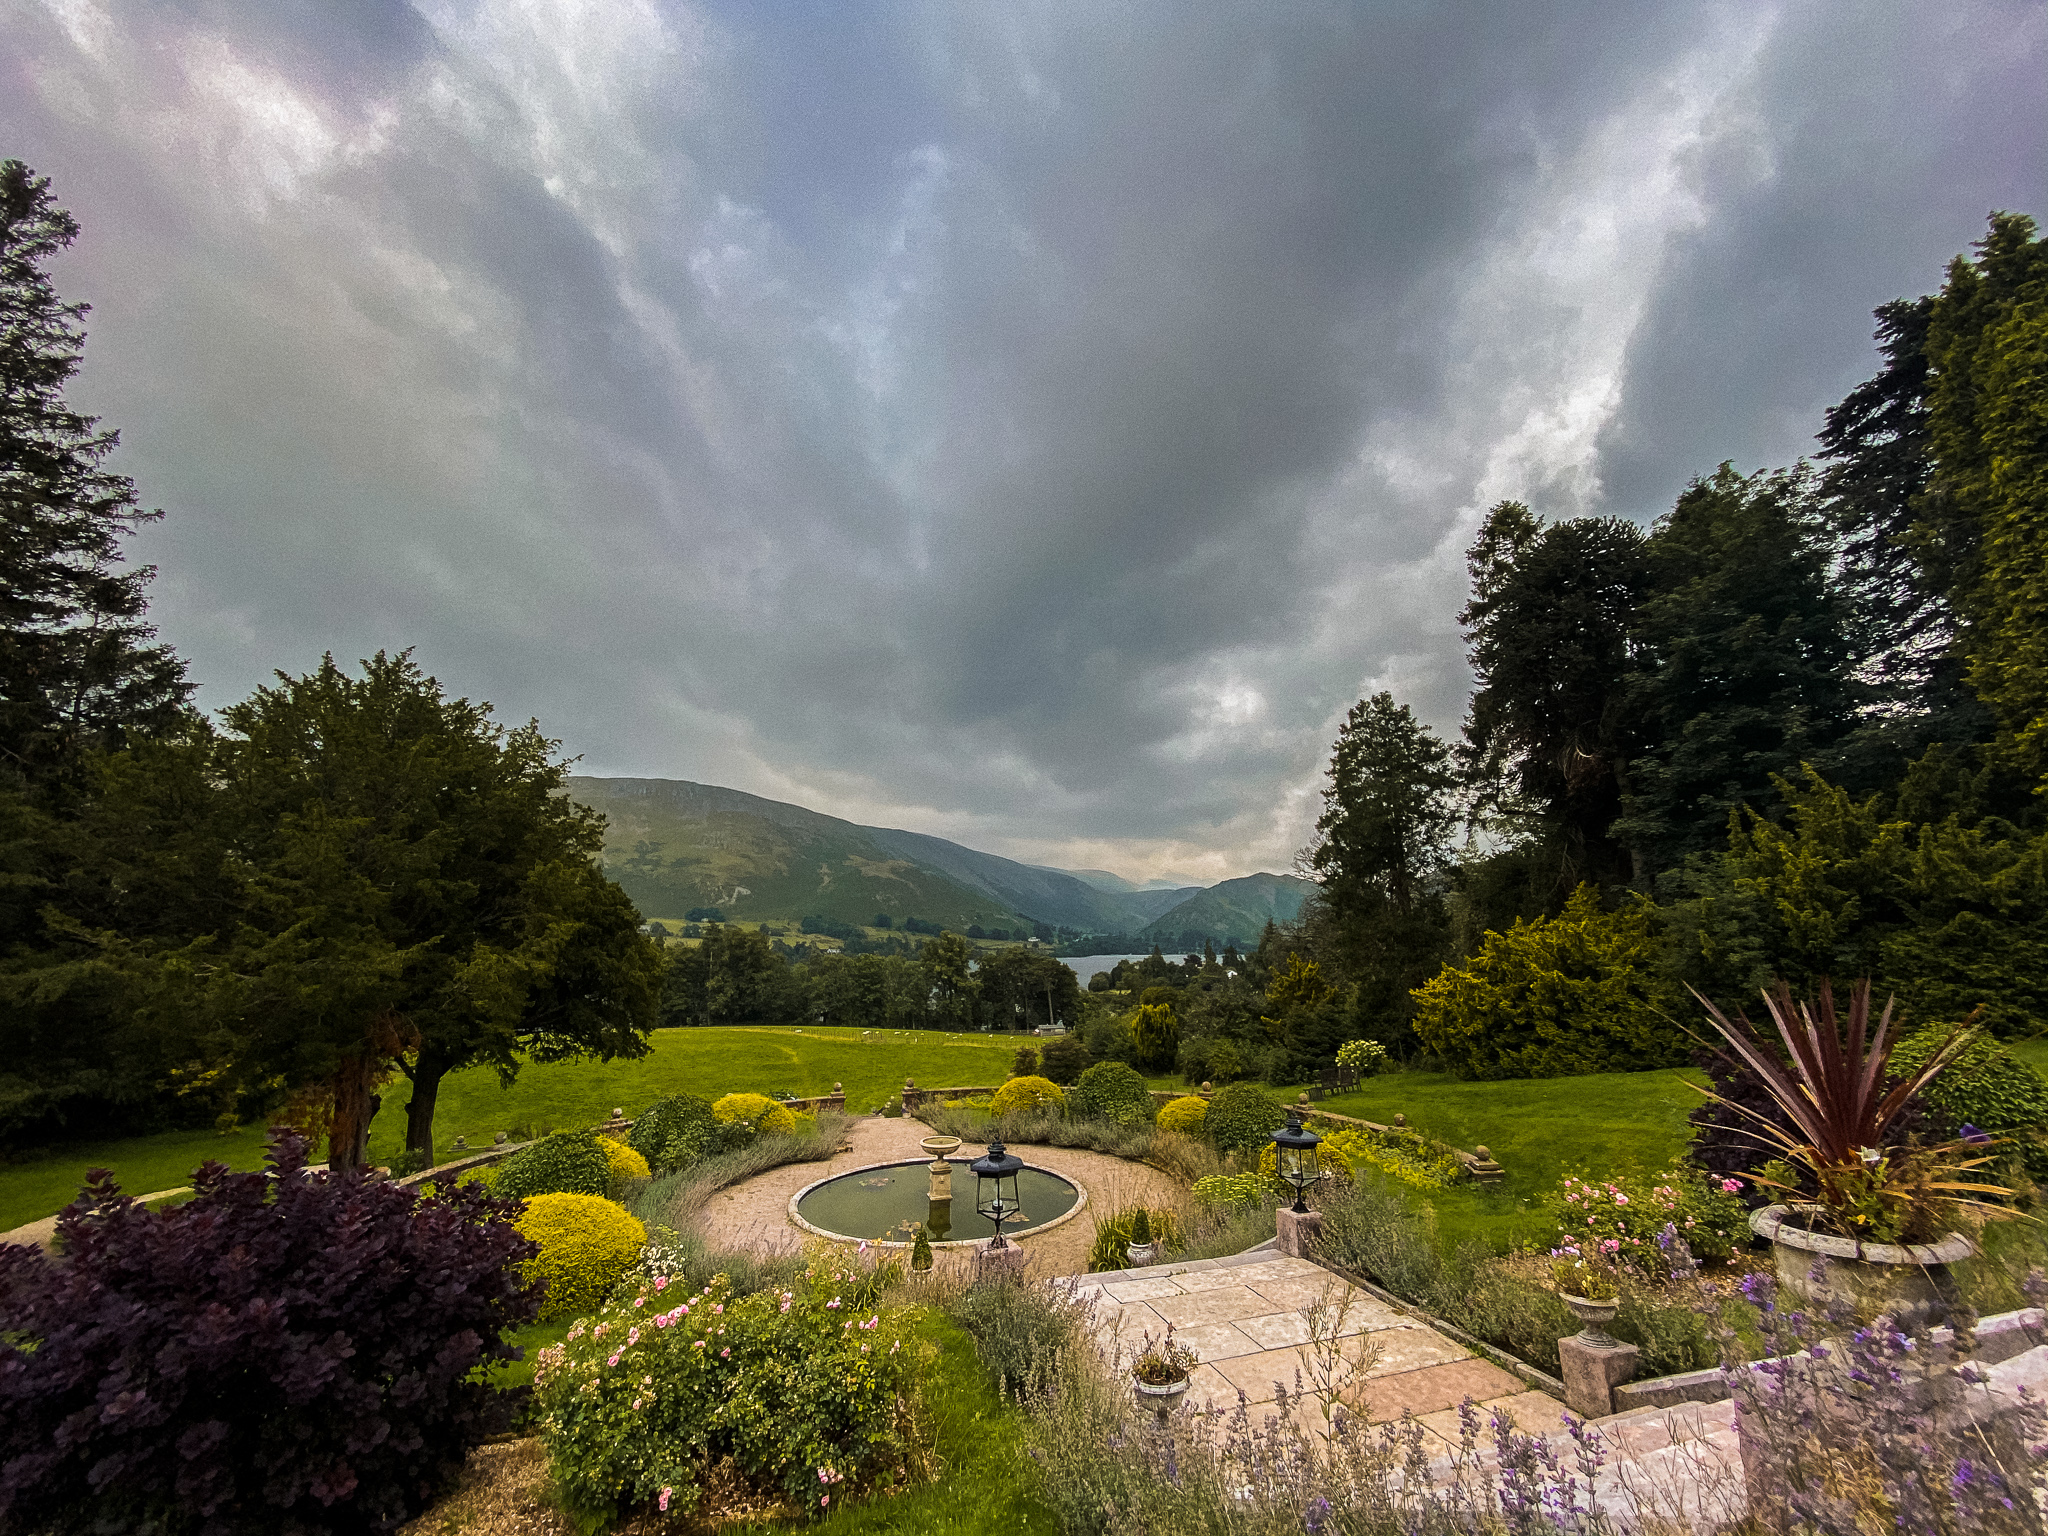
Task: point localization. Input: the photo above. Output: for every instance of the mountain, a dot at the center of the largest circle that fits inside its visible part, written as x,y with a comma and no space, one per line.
1235,910
1117,885
1151,904
673,845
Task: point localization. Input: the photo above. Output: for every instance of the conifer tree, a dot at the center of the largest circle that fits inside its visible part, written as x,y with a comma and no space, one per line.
79,666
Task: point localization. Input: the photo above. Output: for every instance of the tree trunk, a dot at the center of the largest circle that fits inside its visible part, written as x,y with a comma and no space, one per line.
426,1074
355,1105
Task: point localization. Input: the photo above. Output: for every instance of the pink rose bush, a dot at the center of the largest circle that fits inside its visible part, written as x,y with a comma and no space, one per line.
775,1380
1651,1227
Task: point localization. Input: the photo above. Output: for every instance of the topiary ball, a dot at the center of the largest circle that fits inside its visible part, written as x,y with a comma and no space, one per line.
1242,1119
1987,1087
1025,1095
758,1110
586,1243
674,1132
1113,1091
566,1163
1185,1115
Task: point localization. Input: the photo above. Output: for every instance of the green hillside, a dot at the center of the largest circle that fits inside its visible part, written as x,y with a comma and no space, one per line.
1236,910
673,846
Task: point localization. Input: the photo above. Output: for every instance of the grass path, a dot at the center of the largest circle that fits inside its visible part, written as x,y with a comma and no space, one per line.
766,1059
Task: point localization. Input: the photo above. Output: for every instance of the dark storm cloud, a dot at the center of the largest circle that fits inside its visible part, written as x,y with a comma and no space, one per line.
1030,424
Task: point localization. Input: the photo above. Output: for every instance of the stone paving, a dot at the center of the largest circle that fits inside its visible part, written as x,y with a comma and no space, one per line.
1247,1318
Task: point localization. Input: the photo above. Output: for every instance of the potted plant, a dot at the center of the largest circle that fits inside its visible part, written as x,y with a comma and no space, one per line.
1143,1248
1159,1375
921,1251
1871,1223
1589,1290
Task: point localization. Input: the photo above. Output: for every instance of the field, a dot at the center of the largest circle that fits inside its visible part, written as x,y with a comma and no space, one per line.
804,1062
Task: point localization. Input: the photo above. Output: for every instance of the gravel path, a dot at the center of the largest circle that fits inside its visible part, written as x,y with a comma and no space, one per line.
754,1216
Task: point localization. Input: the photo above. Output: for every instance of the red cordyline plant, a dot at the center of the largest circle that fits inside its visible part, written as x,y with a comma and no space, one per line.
1839,1105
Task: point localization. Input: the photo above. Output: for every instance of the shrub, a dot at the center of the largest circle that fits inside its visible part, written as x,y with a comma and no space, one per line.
586,1242
805,1390
1241,1118
1637,1223
1986,1086
1064,1059
756,1109
1409,1155
1231,1188
1184,1115
626,1165
1026,1062
261,1358
1555,997
1361,1056
1112,1091
1023,1095
674,1132
1016,1326
566,1163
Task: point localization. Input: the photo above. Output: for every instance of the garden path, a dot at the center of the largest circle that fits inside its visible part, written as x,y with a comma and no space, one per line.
754,1216
1247,1317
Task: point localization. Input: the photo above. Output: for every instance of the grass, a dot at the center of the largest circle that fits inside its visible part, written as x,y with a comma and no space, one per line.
705,1061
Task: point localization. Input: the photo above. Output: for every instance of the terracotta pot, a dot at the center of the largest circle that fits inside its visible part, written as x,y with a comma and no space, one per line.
1593,1316
1160,1398
1909,1280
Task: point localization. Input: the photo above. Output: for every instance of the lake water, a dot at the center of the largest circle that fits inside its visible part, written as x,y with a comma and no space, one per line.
1085,966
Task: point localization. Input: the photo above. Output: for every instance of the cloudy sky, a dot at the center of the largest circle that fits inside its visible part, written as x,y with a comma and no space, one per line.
1034,424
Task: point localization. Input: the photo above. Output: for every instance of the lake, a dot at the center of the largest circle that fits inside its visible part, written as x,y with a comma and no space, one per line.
1085,966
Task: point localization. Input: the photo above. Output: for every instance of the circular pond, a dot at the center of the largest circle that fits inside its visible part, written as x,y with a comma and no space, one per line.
884,1203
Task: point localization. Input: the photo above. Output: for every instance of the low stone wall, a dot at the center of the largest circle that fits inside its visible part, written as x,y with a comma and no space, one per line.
913,1096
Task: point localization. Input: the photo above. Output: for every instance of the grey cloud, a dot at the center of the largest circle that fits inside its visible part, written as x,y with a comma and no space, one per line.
1031,424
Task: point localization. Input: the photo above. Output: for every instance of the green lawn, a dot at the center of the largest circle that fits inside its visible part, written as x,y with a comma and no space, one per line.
705,1061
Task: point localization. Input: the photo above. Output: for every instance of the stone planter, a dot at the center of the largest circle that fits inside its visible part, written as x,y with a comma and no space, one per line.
1160,1398
1141,1254
1593,1316
939,1146
1909,1280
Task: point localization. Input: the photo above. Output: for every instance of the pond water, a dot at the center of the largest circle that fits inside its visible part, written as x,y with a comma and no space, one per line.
878,1203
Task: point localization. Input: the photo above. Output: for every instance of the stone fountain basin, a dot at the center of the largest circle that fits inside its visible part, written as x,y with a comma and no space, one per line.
904,1198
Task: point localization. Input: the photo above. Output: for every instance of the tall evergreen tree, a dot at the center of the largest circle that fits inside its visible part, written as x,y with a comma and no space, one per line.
1547,629
1987,340
79,666
1740,660
1382,842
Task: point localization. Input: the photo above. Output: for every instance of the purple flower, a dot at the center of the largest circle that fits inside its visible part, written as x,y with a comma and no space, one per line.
1975,1137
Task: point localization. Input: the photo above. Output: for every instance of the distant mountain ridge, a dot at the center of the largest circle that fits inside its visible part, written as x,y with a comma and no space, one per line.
676,846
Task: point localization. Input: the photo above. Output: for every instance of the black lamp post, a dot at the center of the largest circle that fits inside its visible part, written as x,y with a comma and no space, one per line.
1295,1152
995,1188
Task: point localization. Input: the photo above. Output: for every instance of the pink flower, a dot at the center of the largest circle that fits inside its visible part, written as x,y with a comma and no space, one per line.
664,1499
1620,1198
725,1353
832,1305
719,1310
636,1405
698,1345
639,1302
633,1336
824,1498
1731,1186
661,1284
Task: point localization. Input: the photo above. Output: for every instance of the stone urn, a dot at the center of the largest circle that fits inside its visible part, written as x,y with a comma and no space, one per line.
1909,1280
1141,1254
1593,1316
939,1146
1159,1397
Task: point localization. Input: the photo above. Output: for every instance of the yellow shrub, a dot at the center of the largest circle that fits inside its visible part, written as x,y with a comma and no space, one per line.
760,1111
1023,1094
1185,1115
586,1243
626,1164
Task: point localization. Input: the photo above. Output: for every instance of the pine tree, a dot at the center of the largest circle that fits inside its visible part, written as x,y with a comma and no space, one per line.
78,664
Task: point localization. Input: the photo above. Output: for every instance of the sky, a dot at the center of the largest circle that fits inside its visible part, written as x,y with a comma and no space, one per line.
1031,424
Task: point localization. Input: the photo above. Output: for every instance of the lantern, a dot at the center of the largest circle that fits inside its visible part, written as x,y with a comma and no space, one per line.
995,1188
1294,1152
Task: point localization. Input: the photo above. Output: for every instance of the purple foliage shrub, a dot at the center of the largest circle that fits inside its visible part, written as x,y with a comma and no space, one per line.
287,1352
